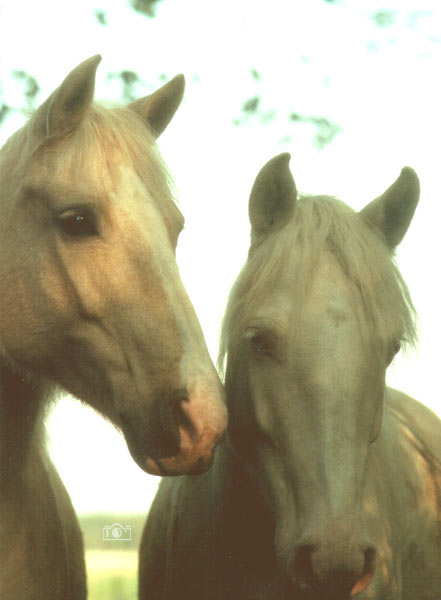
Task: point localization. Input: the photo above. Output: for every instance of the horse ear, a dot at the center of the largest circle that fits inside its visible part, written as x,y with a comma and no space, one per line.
159,108
392,212
66,107
272,197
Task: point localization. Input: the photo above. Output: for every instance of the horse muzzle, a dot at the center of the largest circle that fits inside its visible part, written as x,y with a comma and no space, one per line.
319,568
331,558
179,434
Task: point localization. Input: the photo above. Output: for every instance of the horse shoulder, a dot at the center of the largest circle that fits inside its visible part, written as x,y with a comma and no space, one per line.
414,433
424,423
407,475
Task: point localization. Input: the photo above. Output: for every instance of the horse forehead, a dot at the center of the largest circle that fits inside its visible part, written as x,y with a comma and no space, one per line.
55,182
330,297
133,195
332,294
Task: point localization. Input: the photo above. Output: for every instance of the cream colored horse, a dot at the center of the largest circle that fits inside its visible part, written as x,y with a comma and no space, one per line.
91,301
329,485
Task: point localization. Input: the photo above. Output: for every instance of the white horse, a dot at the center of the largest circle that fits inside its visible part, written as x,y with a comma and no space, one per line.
329,485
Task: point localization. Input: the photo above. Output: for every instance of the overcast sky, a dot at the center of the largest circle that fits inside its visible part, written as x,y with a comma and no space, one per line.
371,69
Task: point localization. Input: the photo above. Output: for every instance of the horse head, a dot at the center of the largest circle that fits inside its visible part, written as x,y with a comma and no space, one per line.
91,296
313,321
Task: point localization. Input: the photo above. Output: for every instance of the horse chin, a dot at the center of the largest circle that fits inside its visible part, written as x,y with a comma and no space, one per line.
177,465
193,458
328,591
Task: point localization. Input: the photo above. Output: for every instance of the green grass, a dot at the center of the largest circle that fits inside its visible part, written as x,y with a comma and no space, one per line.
112,574
112,587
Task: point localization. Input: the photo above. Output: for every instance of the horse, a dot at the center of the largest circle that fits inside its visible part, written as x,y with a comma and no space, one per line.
91,302
328,483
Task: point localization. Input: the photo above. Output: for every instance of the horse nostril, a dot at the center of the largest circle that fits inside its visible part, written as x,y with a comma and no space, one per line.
183,419
155,433
303,570
348,571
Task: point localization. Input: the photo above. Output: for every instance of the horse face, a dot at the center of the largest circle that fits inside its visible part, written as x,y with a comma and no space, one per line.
316,393
92,297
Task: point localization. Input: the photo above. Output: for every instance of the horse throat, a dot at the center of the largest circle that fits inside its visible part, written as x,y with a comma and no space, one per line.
20,425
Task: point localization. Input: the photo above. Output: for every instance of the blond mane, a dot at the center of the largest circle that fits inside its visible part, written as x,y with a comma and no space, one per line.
322,223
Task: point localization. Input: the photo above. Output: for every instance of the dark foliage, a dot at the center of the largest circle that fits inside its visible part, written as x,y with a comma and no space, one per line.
4,111
30,86
384,18
325,130
145,7
101,17
30,92
251,106
129,81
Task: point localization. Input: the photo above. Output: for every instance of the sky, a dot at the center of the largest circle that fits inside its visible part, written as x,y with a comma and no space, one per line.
317,59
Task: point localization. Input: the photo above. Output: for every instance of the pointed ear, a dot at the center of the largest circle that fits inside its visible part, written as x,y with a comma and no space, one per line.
64,110
158,109
392,212
273,196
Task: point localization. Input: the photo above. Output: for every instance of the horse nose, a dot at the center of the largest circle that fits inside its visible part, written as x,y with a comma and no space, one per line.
333,568
178,432
200,418
154,431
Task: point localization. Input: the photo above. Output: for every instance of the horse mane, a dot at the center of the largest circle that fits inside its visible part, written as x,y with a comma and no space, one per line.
320,224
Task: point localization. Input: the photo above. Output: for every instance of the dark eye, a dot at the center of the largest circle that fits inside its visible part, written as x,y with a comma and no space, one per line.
261,342
258,343
78,222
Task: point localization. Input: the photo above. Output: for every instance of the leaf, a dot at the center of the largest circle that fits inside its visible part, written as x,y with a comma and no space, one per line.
101,17
145,7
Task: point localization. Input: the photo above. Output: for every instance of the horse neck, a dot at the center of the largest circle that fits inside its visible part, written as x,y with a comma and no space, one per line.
239,482
20,423
242,519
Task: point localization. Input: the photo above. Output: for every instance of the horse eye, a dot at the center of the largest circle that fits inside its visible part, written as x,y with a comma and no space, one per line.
262,341
258,343
78,223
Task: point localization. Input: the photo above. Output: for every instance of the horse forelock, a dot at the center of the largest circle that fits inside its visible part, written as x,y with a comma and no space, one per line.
93,153
322,224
